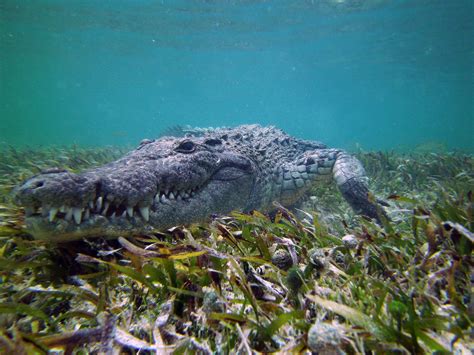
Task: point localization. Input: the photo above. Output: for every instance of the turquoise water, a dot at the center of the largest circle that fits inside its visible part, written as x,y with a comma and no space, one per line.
372,74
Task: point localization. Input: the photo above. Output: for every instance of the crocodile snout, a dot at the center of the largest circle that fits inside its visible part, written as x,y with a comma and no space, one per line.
55,188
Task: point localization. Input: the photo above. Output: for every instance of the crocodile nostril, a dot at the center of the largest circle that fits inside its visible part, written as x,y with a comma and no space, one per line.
39,184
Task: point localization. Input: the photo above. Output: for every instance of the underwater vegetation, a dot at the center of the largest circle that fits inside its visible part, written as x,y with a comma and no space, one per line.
314,279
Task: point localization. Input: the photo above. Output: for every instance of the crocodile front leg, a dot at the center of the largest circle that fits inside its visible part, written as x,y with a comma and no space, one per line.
352,181
294,179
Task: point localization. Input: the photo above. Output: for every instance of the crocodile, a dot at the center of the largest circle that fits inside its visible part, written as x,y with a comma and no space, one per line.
180,180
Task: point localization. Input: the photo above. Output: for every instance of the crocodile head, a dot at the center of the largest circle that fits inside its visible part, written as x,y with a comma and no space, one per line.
161,184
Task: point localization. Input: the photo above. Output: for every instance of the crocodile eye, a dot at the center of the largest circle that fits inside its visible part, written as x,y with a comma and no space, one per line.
186,147
213,142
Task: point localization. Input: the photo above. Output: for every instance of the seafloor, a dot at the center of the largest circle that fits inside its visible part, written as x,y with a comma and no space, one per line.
313,279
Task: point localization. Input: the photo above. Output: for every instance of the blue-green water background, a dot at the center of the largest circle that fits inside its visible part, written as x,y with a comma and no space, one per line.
379,74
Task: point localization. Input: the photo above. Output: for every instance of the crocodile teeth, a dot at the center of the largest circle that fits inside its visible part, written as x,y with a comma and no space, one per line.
52,213
91,204
145,212
98,204
77,213
106,207
124,214
171,196
179,198
62,209
87,214
68,216
130,211
186,194
163,199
